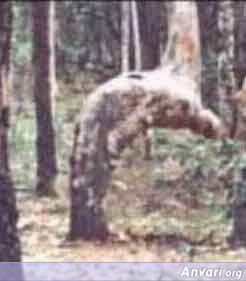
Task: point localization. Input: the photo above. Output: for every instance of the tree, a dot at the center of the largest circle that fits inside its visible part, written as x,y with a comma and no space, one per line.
136,36
227,81
131,57
238,208
240,41
44,86
218,53
153,27
183,47
208,25
150,30
10,250
115,114
125,33
89,37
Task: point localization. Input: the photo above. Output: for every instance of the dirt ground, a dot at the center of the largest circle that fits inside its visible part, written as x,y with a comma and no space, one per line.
44,224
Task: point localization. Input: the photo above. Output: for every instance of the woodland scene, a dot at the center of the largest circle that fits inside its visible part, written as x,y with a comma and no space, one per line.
122,131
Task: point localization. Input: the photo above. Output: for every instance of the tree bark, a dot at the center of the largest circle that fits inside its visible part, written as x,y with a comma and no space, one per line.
227,80
183,49
115,114
239,204
227,85
208,24
136,36
10,250
239,117
150,31
239,209
240,42
44,79
125,36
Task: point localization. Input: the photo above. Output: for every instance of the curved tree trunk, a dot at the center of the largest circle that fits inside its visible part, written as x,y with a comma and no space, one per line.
44,84
10,250
115,114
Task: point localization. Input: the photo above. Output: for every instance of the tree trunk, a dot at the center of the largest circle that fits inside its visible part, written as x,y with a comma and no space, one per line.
44,79
125,36
227,85
239,206
150,35
208,24
183,50
150,31
115,114
227,80
240,41
52,44
10,250
136,36
238,126
239,209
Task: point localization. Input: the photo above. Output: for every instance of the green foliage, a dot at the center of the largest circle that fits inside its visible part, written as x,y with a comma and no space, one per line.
22,39
22,151
209,168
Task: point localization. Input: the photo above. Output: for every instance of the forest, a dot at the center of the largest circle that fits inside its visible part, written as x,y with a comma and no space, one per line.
122,131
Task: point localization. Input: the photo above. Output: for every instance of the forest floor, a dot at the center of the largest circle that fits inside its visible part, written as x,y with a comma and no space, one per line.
173,208
44,225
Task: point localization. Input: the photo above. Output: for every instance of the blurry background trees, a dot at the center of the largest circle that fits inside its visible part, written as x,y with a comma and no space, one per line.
93,42
9,239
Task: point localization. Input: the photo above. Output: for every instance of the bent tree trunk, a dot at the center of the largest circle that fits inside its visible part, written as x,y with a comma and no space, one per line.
114,115
9,241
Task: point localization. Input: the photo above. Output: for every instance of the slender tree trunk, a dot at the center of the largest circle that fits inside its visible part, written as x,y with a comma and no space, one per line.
208,24
125,36
164,27
150,31
226,49
52,44
239,209
136,36
44,79
239,206
240,41
239,118
9,240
